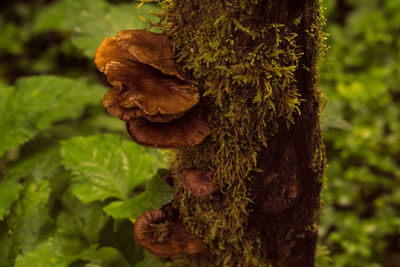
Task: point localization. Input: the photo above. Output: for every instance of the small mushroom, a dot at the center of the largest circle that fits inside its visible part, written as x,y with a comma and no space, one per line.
173,238
198,182
186,131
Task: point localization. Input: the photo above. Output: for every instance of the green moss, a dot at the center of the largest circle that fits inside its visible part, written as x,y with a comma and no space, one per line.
245,71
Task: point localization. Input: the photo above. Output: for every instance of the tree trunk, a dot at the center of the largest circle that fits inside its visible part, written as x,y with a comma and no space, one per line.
254,62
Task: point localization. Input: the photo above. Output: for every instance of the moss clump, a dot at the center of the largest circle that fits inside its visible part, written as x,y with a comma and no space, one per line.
244,65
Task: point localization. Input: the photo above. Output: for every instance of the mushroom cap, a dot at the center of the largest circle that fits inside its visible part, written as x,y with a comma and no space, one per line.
149,89
108,51
145,72
112,104
185,131
179,240
150,48
198,182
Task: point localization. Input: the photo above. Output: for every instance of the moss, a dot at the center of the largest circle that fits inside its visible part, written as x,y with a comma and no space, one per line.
245,70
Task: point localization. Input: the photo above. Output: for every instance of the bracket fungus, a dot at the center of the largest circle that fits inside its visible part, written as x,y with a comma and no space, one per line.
198,182
188,130
165,238
148,90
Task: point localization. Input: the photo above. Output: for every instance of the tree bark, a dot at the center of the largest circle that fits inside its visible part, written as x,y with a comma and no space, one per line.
254,63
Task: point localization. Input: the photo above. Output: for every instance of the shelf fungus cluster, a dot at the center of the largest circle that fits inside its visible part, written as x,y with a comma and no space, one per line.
159,108
149,93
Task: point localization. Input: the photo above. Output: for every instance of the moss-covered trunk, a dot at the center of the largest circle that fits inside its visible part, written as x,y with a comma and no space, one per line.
254,62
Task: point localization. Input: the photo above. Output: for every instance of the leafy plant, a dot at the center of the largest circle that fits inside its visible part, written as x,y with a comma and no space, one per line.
361,216
67,172
52,122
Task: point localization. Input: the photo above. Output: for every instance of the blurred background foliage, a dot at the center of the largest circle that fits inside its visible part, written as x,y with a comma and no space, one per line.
360,225
50,101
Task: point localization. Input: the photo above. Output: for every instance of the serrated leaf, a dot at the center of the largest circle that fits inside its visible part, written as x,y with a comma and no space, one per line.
105,166
42,164
83,221
39,165
51,253
9,193
90,21
26,220
157,194
38,101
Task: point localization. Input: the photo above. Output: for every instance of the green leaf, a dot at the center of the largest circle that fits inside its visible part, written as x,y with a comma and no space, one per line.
157,194
105,166
108,257
51,252
40,165
43,164
78,231
93,20
38,101
53,18
150,262
9,193
332,117
78,220
26,220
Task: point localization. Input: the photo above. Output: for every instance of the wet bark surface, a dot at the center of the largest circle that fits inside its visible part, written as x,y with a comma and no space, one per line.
274,210
287,193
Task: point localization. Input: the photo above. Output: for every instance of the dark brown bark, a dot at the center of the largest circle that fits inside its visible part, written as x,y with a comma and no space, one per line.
285,196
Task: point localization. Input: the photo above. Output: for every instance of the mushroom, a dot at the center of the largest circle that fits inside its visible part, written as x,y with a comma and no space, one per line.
186,131
113,107
149,81
173,238
149,92
150,48
199,182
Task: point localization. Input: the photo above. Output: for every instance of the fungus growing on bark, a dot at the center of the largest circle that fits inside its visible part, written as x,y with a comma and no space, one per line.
156,233
198,182
150,48
111,103
186,131
149,92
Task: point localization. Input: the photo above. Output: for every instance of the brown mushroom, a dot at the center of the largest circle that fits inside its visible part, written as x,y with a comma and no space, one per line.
149,92
141,65
198,182
173,238
150,48
149,89
113,107
109,51
185,131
